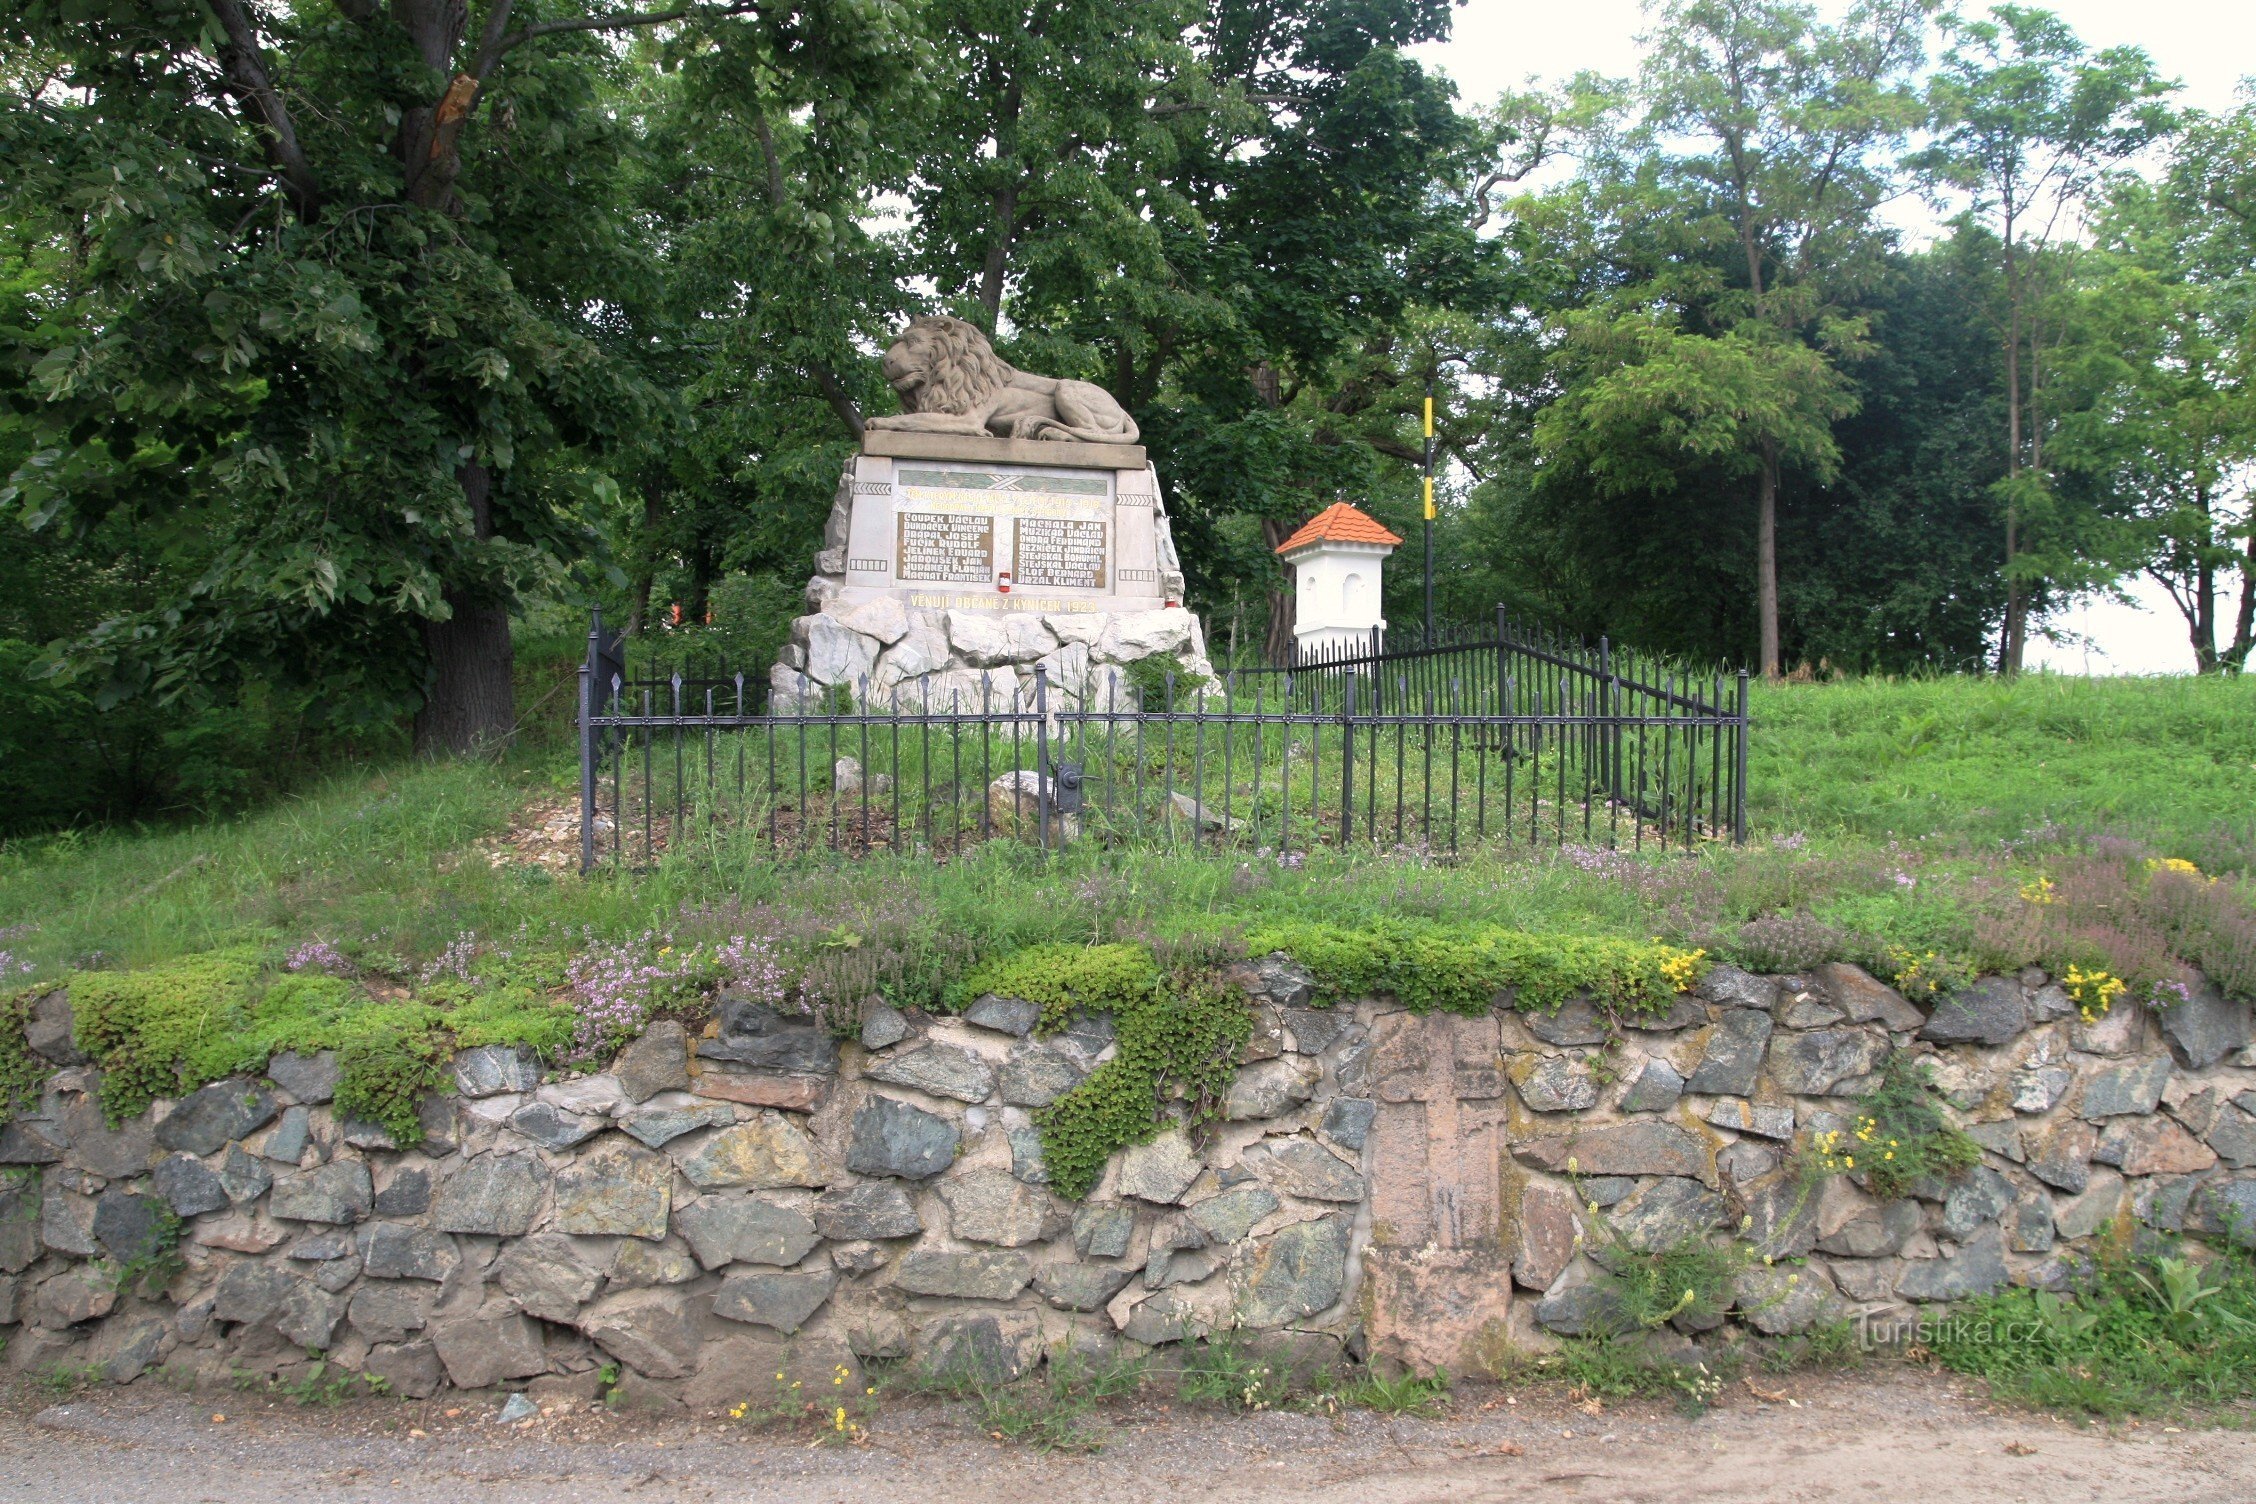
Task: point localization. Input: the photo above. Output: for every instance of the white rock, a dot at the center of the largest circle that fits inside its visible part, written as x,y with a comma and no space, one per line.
1068,670
790,691
836,653
1084,627
884,618
1028,638
979,637
1142,634
598,1096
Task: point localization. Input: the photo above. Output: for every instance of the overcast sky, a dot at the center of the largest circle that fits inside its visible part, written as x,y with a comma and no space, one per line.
2206,44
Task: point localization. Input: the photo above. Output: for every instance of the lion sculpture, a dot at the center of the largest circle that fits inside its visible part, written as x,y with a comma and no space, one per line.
952,381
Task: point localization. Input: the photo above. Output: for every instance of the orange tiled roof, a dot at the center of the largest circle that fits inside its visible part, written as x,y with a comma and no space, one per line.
1339,523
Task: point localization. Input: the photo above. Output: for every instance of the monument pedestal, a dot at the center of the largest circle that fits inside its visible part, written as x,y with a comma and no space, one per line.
949,557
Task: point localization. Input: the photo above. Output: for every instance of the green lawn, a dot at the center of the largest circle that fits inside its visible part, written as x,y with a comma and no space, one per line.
1980,760
1875,774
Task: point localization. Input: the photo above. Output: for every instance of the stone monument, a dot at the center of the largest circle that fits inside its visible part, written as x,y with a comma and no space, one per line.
1002,522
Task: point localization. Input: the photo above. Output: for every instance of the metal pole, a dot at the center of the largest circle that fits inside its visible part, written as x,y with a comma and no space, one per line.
588,672
1429,512
1739,770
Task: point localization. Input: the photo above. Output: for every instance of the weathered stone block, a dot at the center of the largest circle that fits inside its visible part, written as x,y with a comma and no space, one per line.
1005,1015
488,1345
1627,1149
1160,1170
767,1152
892,1137
187,1186
784,1302
1554,1083
209,1118
496,1195
1813,1064
944,1070
1731,1057
311,1079
656,1061
963,1276
1991,1012
753,1033
490,1070
1036,1075
2118,1090
873,1209
1301,1167
1268,1088
337,1192
748,1229
1081,1287
615,1189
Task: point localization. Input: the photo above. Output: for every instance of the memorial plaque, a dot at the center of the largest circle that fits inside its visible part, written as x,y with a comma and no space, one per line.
1059,551
958,547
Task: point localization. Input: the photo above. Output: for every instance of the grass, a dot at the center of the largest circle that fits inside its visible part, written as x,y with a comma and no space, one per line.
2169,760
2168,1333
1887,814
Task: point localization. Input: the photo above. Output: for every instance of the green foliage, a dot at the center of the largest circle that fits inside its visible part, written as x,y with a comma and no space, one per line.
170,1029
1400,1394
386,1066
2165,760
167,1030
1160,681
1223,1371
2160,1334
1178,1041
1065,979
1466,969
152,1266
21,1072
1900,1135
1050,1411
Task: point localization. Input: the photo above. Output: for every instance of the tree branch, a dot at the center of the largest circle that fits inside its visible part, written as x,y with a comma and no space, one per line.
825,379
619,21
246,74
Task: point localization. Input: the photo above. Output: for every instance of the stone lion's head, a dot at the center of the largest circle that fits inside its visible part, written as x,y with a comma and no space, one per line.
944,365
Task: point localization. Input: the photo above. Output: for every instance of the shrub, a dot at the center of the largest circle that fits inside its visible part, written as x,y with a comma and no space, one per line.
1900,1136
1465,969
1064,979
1785,942
1177,1040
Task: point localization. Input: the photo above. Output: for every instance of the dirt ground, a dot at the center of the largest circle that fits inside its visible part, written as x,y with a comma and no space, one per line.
1897,1435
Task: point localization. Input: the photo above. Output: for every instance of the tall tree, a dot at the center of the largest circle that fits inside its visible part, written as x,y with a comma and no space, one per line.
341,282
2165,377
1762,154
2030,120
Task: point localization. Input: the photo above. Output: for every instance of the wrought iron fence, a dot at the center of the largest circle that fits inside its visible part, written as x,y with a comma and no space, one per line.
1479,736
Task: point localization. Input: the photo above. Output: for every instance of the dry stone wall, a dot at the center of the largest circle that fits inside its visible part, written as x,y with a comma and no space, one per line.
1427,1191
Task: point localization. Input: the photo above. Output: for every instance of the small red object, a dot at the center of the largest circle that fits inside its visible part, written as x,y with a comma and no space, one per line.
1002,582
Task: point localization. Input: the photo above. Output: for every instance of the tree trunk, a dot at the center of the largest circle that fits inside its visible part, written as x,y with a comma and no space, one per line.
469,704
1277,646
646,564
2012,637
1766,562
2244,622
2205,589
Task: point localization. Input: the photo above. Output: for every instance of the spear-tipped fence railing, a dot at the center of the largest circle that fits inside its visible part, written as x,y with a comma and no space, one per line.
1471,738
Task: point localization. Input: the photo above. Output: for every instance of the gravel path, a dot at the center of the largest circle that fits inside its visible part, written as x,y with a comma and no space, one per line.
1891,1436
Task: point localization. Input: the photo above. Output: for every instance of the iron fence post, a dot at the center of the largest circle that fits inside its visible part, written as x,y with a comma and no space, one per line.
1043,803
1739,769
587,740
1347,762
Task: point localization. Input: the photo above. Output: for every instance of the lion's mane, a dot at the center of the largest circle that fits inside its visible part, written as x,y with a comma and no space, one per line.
961,369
